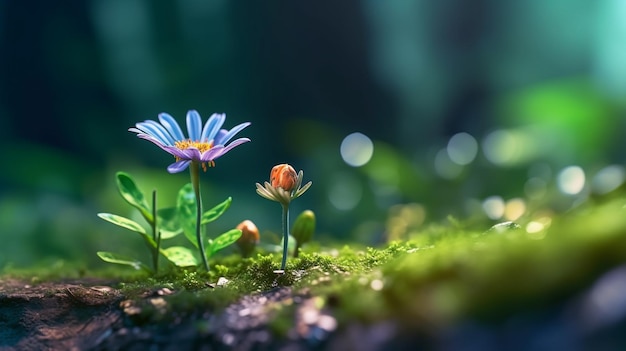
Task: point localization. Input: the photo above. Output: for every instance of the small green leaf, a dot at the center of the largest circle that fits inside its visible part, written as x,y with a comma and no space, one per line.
186,211
123,222
129,224
131,193
180,256
224,240
216,212
121,259
167,221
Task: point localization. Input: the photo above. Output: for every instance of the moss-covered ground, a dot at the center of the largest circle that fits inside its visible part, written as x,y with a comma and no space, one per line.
437,277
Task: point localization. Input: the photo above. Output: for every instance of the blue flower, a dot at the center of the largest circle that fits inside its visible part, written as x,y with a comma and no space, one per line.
204,145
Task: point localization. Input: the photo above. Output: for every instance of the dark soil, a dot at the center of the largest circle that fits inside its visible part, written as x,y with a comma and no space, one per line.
90,314
72,315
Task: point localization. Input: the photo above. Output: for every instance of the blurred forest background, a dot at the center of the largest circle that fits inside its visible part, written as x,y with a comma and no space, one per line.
484,110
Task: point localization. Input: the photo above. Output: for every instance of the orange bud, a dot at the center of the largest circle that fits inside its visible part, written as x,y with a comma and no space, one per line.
249,237
284,176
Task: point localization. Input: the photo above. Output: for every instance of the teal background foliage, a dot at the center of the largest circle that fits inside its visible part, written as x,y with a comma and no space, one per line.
538,86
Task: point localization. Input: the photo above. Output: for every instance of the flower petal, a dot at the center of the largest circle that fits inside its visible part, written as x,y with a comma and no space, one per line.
224,138
301,191
212,154
178,167
219,137
162,129
212,126
260,189
181,154
237,142
194,124
299,179
156,130
264,193
192,153
154,140
171,125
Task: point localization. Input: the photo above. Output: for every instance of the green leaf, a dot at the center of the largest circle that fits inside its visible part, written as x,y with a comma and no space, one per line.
186,210
214,213
123,222
180,256
129,224
167,222
121,259
224,240
131,193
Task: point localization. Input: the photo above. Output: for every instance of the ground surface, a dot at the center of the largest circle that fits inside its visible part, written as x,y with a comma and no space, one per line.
90,314
444,288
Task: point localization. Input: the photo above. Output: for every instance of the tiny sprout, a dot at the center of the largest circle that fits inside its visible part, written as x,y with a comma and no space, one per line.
303,229
249,237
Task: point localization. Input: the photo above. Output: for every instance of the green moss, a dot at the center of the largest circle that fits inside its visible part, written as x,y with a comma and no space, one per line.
436,277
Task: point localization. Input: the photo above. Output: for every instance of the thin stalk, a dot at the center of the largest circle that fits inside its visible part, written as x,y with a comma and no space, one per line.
195,182
156,234
285,235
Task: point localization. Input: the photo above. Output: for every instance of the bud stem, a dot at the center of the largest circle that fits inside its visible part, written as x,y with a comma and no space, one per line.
285,235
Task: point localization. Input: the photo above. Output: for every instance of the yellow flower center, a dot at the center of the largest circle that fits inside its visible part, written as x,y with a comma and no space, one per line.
186,144
201,146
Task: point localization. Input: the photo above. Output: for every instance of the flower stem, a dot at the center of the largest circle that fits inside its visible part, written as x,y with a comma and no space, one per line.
156,234
195,182
285,235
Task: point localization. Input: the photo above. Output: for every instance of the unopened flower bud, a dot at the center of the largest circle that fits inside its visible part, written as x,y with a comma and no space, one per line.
249,237
284,176
303,228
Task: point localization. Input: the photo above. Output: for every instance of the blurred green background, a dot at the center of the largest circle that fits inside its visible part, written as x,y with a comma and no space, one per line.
484,110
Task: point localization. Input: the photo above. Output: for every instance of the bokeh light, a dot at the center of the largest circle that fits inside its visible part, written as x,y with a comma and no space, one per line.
356,149
507,147
462,148
608,179
494,207
536,228
571,180
514,209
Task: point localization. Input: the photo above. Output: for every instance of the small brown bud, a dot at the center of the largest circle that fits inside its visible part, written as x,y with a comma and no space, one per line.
249,237
284,176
